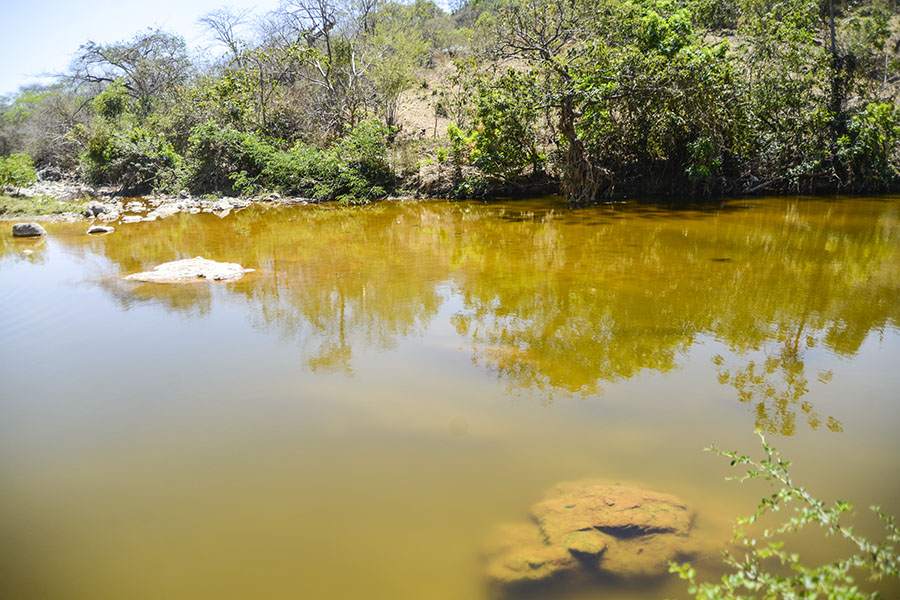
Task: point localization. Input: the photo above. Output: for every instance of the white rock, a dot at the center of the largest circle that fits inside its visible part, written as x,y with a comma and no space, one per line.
132,219
191,269
100,229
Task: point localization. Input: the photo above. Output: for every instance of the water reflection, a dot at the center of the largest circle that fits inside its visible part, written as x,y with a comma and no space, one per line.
549,299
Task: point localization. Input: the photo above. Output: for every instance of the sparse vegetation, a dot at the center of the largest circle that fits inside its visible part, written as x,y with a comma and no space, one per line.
20,206
768,569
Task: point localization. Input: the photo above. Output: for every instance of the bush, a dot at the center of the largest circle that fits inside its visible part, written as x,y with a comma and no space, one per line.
869,150
223,159
16,170
759,574
136,160
354,169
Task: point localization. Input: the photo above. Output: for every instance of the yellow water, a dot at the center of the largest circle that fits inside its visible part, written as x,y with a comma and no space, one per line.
352,419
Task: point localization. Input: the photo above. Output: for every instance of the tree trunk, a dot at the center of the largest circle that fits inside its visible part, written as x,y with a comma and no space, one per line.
583,181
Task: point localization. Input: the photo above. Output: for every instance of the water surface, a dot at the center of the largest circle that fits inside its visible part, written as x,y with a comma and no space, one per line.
352,419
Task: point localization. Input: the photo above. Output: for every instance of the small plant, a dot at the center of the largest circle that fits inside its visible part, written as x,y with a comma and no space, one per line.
759,574
16,170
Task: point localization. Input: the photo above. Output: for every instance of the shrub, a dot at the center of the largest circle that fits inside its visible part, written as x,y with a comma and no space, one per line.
354,169
870,148
136,160
16,170
224,159
760,574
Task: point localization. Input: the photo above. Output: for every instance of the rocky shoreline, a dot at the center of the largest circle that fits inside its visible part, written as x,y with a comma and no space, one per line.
106,204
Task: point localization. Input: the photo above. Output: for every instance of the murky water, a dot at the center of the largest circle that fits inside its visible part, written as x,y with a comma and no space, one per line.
352,419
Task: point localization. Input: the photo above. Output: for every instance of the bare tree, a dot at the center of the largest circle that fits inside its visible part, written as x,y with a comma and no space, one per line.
148,66
223,24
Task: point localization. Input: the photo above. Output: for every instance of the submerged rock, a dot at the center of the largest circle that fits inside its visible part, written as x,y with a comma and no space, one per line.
28,230
588,527
132,219
191,269
518,554
100,229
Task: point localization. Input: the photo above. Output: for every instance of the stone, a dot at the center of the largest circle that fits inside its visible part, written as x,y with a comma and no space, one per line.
585,543
589,528
273,197
28,230
100,229
191,269
238,202
49,173
94,209
516,554
164,211
222,204
109,216
620,511
132,219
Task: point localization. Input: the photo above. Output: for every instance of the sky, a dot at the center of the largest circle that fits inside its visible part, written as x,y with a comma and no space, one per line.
42,36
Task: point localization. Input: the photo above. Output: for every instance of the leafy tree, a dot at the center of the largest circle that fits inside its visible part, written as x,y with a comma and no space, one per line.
396,49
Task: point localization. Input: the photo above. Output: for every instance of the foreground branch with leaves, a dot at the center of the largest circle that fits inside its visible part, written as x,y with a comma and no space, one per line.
768,570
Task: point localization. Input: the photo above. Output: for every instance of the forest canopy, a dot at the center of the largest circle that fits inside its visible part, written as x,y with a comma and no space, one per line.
356,99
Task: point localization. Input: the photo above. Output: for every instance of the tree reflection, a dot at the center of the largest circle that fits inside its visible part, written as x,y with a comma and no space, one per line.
555,300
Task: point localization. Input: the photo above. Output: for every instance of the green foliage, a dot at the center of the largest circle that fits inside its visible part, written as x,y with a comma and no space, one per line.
761,571
397,51
871,146
25,206
112,102
218,156
16,170
666,102
354,169
505,135
136,159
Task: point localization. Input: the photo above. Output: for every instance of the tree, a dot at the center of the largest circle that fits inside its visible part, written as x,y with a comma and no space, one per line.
149,66
554,35
395,49
223,24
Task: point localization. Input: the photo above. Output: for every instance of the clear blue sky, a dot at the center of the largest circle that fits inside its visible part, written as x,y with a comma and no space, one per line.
41,36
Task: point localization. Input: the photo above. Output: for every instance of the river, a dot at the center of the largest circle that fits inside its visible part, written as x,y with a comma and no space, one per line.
351,419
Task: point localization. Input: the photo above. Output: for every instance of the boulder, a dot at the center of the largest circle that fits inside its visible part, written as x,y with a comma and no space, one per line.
220,205
191,269
100,229
132,219
517,555
589,528
94,209
49,173
238,202
28,230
